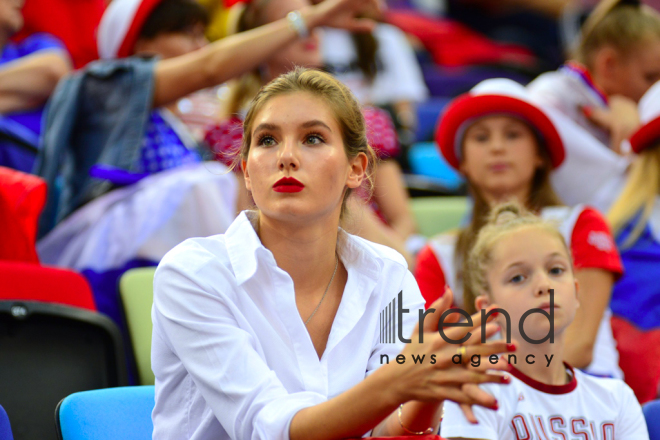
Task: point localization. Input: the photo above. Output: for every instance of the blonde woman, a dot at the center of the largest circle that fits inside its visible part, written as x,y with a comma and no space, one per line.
271,330
385,216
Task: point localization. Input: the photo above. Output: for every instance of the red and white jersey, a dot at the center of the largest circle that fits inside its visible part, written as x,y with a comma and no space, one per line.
588,237
587,408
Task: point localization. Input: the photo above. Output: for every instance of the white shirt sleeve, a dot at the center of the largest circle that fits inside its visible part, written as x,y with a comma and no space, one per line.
401,78
197,321
631,423
455,425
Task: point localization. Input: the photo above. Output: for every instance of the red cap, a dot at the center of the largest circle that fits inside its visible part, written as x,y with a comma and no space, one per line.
498,96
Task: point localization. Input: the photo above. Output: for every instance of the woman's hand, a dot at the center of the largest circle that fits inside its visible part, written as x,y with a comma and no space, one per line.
342,14
445,379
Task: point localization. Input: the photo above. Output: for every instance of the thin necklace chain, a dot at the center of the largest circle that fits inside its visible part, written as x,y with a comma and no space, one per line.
326,290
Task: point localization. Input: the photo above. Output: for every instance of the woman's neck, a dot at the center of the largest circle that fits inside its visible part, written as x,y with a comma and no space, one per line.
547,367
305,251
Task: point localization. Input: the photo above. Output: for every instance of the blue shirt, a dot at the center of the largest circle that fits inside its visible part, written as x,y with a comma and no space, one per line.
162,147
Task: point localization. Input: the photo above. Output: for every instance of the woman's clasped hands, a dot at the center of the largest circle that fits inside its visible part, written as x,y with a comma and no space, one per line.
435,369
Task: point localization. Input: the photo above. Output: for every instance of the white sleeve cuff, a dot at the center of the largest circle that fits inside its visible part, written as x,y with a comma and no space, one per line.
274,419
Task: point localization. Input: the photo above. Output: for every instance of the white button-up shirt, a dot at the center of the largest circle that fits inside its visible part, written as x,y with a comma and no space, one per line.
231,354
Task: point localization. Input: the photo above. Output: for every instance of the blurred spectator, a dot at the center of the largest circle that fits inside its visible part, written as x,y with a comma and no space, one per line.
74,22
635,219
380,68
617,60
29,72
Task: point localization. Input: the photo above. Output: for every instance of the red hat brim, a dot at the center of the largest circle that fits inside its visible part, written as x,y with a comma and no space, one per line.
469,106
648,135
141,14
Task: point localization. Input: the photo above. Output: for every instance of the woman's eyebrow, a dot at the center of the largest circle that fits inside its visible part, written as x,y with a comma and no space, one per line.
314,123
266,126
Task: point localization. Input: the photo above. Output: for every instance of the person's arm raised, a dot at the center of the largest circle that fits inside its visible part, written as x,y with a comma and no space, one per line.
232,56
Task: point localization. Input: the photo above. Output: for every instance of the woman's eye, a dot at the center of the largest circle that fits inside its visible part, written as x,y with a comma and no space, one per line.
314,139
513,135
266,141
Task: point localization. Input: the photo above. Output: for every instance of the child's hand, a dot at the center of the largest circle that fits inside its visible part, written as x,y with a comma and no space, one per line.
621,119
447,380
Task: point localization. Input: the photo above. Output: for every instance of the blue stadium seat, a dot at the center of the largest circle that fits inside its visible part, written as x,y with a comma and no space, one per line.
652,416
428,113
5,427
106,414
425,159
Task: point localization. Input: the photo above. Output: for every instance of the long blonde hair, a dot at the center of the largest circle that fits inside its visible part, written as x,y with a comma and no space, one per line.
541,195
639,194
344,105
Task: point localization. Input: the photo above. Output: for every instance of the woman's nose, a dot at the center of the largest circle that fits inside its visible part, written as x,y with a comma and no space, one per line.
287,158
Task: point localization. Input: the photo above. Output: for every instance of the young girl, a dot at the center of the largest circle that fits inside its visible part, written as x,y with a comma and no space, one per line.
617,60
271,331
506,148
521,262
635,219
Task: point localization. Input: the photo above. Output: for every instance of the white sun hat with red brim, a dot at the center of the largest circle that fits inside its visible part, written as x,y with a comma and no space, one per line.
494,97
120,27
648,135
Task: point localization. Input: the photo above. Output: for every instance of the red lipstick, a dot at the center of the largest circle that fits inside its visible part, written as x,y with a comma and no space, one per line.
288,185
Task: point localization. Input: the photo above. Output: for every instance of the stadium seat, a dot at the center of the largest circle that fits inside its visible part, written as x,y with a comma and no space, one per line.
425,159
22,197
31,282
48,352
5,426
110,414
428,113
136,291
652,416
438,214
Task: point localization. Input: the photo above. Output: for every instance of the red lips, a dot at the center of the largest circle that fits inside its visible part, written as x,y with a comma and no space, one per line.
288,185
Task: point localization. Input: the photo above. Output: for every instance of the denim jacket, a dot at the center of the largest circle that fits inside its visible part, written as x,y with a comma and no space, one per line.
95,116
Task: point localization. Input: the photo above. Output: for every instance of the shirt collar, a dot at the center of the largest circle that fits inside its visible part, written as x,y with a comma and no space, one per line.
245,249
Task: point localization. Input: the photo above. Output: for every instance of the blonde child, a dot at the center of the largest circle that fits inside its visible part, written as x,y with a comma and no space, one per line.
617,60
521,262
